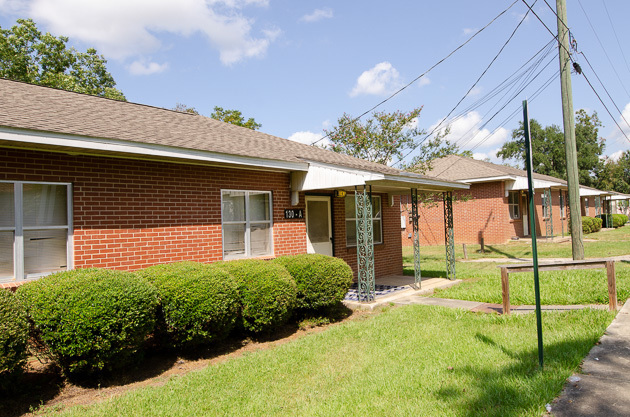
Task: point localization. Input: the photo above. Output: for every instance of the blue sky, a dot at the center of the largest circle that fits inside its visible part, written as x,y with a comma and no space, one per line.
297,66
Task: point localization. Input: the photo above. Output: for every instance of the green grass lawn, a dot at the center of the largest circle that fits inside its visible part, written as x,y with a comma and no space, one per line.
414,360
482,280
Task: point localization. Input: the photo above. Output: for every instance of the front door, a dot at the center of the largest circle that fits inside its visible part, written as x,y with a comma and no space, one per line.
318,225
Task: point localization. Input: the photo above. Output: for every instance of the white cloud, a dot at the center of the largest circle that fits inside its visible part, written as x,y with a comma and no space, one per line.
424,81
616,155
317,15
469,31
623,122
465,132
382,79
120,29
308,138
141,67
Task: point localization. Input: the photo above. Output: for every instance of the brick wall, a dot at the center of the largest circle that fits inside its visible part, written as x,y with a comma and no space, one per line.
484,215
131,214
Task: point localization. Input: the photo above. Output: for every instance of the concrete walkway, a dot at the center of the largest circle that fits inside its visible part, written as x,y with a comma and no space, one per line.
603,389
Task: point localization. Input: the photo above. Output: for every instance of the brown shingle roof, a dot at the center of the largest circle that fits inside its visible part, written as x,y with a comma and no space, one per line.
461,168
31,107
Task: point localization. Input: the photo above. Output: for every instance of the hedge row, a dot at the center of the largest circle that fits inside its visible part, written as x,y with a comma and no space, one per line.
93,320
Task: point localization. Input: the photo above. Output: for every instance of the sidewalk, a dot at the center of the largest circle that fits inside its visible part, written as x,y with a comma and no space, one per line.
603,389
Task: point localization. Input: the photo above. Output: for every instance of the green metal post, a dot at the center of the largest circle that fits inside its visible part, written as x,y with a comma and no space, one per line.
417,274
562,209
528,152
365,244
449,238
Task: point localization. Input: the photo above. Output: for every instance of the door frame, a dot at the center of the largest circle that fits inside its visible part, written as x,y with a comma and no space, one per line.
327,198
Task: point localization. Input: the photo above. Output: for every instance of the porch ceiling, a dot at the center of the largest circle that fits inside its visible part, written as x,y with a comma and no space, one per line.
326,177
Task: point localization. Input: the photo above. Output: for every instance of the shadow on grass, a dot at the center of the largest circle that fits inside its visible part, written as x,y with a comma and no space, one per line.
513,390
494,249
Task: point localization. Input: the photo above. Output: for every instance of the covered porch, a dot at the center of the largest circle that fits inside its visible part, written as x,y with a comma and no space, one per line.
355,215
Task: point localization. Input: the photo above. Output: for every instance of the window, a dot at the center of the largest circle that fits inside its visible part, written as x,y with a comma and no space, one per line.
563,213
586,206
513,205
246,223
351,220
35,225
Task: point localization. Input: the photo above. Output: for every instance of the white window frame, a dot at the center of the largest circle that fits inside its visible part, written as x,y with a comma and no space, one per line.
354,219
19,228
514,207
247,223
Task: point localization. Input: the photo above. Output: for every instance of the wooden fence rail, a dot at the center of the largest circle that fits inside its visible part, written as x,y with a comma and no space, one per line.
609,264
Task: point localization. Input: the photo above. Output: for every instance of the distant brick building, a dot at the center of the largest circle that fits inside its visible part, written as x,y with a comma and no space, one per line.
496,208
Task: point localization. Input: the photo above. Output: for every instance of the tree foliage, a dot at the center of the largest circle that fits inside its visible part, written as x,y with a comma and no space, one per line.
28,55
182,108
234,117
548,149
615,175
385,137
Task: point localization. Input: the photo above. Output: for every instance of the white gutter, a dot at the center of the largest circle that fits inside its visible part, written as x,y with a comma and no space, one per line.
88,145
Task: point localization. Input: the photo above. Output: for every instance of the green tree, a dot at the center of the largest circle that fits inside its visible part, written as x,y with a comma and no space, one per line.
182,108
28,55
548,154
234,117
386,136
615,175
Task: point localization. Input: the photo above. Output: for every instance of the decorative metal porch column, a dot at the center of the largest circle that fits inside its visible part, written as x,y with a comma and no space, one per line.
549,222
365,243
608,207
449,237
417,275
598,206
562,209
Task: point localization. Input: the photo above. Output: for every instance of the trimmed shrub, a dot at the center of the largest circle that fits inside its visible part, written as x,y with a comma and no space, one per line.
597,224
266,290
199,303
619,220
587,224
13,336
322,281
91,319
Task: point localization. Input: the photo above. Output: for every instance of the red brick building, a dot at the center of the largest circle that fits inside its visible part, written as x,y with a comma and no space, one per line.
493,209
92,182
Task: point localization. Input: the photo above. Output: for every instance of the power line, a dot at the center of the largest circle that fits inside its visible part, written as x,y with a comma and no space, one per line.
616,37
603,49
582,72
469,90
424,73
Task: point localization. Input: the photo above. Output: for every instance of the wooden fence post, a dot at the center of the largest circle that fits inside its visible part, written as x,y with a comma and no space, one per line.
612,285
465,251
505,290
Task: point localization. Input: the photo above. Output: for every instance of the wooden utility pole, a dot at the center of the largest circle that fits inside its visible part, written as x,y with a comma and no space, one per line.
570,146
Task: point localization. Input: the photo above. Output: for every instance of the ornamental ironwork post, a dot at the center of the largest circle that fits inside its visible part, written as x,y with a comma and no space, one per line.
365,243
562,209
598,206
417,275
548,206
449,238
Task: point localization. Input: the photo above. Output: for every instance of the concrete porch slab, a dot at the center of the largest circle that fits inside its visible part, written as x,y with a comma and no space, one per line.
404,289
